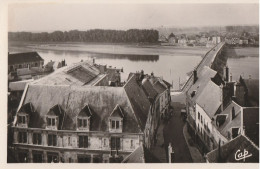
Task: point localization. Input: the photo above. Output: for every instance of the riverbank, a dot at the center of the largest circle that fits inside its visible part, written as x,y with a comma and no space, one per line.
104,48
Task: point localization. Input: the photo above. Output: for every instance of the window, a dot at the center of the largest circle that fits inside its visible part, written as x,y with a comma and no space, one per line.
51,121
37,138
201,119
82,123
199,115
114,124
132,143
52,140
83,141
115,143
22,137
22,119
105,142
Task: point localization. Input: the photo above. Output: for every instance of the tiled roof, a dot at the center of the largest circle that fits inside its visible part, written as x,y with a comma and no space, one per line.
18,58
72,99
210,98
141,155
230,151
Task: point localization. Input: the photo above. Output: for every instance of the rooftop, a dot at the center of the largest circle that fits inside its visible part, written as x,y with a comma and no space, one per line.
141,155
18,58
239,150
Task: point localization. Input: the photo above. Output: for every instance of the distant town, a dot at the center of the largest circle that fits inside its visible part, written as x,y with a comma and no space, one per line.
85,113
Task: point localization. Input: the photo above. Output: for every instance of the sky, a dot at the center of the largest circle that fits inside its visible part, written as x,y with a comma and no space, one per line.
40,17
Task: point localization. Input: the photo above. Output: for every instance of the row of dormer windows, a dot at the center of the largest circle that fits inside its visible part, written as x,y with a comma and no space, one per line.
82,123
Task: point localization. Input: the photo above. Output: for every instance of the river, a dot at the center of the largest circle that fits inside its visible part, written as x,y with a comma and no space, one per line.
171,63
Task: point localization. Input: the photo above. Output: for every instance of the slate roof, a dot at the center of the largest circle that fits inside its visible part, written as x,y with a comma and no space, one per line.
159,87
148,89
117,112
204,76
252,86
141,155
138,100
18,58
228,124
251,123
228,151
82,73
210,98
85,112
19,85
72,99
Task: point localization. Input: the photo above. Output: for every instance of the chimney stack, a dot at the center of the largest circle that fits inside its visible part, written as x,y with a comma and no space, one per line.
195,76
230,77
227,74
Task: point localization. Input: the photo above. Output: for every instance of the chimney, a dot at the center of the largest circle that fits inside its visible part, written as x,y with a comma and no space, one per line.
93,61
233,114
152,74
227,74
195,77
230,77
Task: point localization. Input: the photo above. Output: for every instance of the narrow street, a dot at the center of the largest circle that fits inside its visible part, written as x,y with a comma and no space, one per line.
173,132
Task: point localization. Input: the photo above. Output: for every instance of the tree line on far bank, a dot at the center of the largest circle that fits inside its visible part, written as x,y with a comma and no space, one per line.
94,35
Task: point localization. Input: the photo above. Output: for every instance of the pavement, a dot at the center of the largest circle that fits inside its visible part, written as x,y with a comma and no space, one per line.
195,153
158,149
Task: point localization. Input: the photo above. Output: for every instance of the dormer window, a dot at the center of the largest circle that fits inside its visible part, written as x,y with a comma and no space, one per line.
54,118
116,120
24,114
83,119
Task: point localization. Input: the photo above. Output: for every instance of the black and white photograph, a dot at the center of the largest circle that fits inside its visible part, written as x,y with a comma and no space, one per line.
131,82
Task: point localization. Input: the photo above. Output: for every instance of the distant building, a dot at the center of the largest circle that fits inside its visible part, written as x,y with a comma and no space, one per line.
239,150
24,60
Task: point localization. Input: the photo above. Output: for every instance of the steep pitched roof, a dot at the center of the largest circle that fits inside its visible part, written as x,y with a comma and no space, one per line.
18,58
85,112
229,123
72,99
138,99
229,152
141,155
204,76
159,87
148,89
117,112
210,98
251,123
